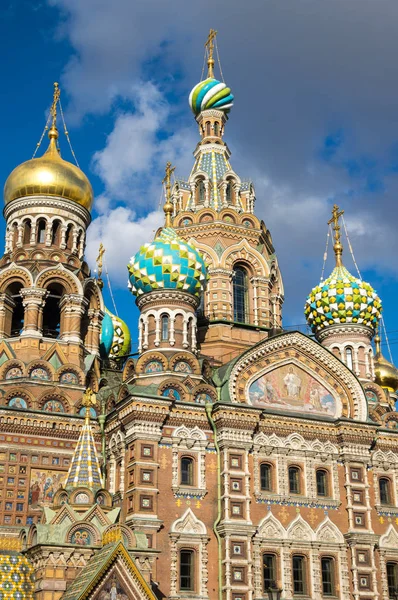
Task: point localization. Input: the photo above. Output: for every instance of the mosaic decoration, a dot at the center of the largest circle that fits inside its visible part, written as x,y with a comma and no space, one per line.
16,577
93,412
14,373
69,377
107,332
17,402
291,388
371,396
154,366
247,223
43,485
121,341
81,537
203,398
210,93
39,373
182,367
172,393
84,470
186,222
54,406
82,498
342,298
113,590
167,263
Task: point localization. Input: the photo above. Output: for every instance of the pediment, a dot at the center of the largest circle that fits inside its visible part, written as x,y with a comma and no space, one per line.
389,539
293,373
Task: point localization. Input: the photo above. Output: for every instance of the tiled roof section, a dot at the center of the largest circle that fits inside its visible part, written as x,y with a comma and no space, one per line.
84,470
97,566
16,576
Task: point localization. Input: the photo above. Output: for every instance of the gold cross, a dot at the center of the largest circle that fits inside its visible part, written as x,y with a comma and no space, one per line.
101,252
53,110
338,248
168,207
89,399
209,45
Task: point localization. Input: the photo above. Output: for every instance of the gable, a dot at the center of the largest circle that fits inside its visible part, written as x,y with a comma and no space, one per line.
291,372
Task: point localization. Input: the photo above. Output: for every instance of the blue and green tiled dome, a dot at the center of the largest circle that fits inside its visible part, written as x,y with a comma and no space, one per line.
340,299
167,263
210,93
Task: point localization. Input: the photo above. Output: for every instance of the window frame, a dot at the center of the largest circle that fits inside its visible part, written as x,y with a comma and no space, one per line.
332,561
273,576
164,329
268,466
326,475
191,566
240,294
191,479
388,500
304,579
392,586
297,470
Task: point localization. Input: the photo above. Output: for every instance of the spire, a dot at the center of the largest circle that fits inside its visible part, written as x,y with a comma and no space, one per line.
209,45
168,206
84,470
338,247
53,132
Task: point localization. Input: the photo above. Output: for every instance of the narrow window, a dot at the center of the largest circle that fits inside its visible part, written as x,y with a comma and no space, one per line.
41,232
208,128
52,312
299,575
240,294
269,571
186,471
392,579
55,233
265,477
384,487
27,230
228,192
216,128
294,480
348,356
321,483
17,319
187,566
165,327
201,191
327,572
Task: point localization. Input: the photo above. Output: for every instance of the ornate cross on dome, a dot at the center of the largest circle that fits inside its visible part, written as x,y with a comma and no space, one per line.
168,207
89,400
99,261
209,45
338,248
53,110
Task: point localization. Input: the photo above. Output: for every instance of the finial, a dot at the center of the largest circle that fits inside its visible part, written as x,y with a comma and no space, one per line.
101,252
209,45
377,342
168,207
89,400
338,248
53,133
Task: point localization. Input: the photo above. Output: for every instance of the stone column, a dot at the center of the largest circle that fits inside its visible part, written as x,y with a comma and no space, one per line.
33,300
94,330
7,306
72,310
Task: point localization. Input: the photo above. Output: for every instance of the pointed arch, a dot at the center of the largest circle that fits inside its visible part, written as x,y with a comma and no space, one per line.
328,533
188,524
300,530
270,528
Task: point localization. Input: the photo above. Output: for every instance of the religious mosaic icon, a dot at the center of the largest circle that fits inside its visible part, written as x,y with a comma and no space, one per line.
17,402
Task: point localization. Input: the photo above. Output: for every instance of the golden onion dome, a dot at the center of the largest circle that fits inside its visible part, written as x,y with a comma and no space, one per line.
49,175
386,374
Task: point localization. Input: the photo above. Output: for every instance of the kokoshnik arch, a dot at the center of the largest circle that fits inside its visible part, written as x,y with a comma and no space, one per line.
228,456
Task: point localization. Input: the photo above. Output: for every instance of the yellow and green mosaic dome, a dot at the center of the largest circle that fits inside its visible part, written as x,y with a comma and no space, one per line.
342,298
167,263
16,577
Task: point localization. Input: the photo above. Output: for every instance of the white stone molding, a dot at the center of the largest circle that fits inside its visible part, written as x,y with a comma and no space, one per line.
192,442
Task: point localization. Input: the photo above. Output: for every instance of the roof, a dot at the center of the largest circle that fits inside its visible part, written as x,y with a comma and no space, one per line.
84,470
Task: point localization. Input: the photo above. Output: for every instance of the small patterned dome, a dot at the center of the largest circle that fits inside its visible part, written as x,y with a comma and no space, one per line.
167,263
210,93
342,298
107,333
121,341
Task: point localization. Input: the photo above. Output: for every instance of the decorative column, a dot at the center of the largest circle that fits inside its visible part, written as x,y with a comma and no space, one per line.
7,306
72,310
33,300
94,330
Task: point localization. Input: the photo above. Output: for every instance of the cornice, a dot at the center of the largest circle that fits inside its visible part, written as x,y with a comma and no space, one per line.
166,296
52,202
344,330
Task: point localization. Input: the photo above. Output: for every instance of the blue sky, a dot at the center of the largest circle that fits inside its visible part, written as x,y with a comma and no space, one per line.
314,121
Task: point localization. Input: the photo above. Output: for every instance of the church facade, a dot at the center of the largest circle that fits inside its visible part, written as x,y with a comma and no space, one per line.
229,457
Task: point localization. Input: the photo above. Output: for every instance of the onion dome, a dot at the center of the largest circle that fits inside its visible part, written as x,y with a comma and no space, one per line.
386,374
340,299
167,263
107,333
210,93
49,175
121,339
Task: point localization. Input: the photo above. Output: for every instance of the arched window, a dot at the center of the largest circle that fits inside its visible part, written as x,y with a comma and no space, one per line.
299,572
14,235
240,294
348,357
52,311
201,191
385,490
208,128
269,571
187,471
27,230
265,477
69,237
17,319
55,233
228,192
41,232
164,320
328,576
392,579
216,128
294,480
187,570
322,483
